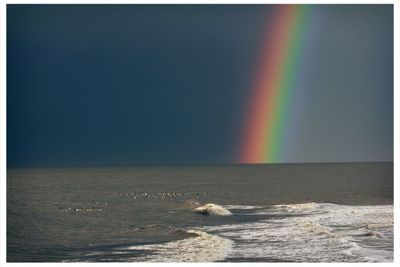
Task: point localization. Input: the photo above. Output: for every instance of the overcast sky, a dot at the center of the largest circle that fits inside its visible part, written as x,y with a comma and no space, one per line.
158,84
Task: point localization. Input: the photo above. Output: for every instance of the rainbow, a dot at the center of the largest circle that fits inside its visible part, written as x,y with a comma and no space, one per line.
269,102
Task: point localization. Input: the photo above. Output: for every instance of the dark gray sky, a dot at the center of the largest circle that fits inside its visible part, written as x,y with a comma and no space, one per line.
158,84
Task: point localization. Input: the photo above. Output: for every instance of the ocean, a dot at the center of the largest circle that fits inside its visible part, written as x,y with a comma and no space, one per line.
341,212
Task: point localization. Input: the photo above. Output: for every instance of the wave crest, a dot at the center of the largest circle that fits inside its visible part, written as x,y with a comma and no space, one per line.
212,209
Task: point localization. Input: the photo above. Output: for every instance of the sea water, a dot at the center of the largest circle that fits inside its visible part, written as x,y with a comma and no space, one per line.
276,213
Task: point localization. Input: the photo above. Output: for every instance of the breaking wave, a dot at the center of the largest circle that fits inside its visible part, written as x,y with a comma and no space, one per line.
212,209
303,232
312,232
203,247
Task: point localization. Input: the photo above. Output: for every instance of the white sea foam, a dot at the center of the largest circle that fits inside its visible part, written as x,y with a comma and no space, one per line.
242,207
313,232
309,232
203,247
301,206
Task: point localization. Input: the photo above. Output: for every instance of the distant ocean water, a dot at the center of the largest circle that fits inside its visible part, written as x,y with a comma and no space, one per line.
280,213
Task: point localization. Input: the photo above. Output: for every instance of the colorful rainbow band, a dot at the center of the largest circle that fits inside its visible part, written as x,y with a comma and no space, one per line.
269,103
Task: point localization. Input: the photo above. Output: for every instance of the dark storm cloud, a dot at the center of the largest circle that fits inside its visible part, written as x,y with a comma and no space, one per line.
130,84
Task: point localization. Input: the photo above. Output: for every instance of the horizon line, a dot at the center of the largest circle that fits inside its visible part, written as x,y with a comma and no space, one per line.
185,165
